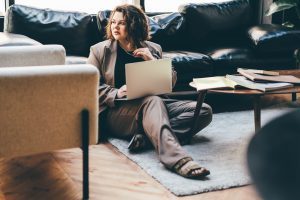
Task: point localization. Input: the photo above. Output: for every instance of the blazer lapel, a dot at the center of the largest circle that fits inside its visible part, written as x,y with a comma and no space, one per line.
110,56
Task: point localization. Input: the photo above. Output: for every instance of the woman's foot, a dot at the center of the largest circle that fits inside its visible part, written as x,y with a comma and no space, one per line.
188,168
138,142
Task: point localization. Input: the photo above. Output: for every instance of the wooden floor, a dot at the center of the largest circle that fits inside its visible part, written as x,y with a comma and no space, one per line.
57,175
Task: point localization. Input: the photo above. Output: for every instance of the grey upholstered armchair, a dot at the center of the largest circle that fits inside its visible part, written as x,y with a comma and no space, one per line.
45,108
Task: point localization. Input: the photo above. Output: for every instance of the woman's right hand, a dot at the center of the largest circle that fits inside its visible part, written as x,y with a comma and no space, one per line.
122,92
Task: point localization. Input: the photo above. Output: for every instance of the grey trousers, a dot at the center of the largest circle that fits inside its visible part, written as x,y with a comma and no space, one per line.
164,123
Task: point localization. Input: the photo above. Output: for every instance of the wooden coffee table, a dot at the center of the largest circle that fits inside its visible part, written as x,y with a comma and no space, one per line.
256,94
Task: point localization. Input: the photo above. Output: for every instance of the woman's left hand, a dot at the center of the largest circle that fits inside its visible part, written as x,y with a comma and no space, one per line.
143,53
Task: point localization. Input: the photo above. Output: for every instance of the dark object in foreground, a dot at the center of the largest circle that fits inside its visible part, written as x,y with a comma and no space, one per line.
274,158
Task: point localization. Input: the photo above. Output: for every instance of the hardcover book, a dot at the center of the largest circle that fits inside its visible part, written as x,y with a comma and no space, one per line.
266,78
265,87
234,82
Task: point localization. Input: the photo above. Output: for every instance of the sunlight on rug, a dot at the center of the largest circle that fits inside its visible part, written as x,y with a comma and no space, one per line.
221,148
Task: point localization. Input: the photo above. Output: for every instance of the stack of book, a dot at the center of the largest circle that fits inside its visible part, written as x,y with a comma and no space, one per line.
262,80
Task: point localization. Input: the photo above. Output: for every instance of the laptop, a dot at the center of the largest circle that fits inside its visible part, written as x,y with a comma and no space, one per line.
147,78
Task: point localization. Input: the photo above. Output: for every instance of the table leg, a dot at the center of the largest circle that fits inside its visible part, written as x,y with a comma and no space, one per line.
200,100
257,113
294,96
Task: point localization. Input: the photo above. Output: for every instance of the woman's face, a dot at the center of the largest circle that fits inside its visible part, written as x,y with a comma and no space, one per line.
118,26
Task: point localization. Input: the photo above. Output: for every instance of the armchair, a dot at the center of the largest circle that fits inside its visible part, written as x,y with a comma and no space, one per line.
46,108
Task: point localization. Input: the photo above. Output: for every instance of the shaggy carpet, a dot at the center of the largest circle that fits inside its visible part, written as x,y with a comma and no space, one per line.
220,147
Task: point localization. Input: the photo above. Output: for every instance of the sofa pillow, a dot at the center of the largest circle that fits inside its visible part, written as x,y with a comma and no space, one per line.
272,38
167,30
10,39
102,20
70,29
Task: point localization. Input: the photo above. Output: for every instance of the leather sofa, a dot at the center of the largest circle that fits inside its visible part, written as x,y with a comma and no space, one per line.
203,40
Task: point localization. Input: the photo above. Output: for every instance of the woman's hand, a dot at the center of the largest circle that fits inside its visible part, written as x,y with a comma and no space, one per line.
122,92
143,53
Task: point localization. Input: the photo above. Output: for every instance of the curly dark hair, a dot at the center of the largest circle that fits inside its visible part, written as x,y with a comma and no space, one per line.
136,24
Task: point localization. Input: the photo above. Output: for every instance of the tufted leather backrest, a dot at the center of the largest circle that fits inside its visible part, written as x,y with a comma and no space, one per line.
165,29
73,30
216,22
197,26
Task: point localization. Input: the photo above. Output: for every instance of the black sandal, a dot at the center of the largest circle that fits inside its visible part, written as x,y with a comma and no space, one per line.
138,142
186,166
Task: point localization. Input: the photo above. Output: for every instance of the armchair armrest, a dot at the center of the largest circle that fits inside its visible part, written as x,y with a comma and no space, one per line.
14,56
40,107
11,39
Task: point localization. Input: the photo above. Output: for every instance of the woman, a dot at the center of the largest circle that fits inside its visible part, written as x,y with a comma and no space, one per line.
164,124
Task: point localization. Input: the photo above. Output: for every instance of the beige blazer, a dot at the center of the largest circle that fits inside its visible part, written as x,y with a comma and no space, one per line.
103,55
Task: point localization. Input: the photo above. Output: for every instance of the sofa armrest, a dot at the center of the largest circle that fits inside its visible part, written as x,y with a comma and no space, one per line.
274,38
40,107
14,56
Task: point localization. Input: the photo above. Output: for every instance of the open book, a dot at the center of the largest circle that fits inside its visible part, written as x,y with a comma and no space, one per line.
233,81
267,78
216,82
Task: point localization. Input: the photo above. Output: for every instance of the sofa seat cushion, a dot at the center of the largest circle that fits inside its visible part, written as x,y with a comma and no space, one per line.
10,39
70,29
274,38
189,65
75,60
227,60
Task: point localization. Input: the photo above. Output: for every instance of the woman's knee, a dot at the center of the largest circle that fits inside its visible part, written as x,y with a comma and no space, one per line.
206,114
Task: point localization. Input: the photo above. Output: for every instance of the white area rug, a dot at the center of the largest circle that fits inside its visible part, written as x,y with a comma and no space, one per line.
221,148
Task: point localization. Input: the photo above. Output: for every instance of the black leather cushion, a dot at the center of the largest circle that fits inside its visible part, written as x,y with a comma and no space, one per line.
165,29
102,20
226,18
70,29
189,65
227,60
271,38
231,55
